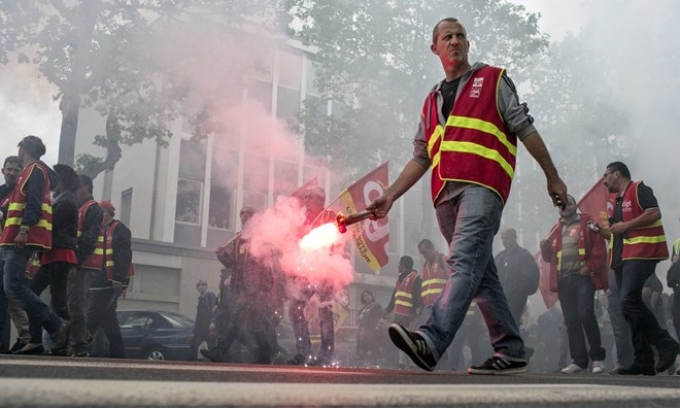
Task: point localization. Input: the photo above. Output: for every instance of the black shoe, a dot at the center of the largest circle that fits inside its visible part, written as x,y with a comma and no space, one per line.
500,365
634,369
17,346
31,348
667,357
212,355
414,345
297,359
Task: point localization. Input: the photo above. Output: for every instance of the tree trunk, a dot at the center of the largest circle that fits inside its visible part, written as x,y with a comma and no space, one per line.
70,108
113,150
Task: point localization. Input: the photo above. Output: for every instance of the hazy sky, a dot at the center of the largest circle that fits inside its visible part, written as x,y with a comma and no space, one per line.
26,105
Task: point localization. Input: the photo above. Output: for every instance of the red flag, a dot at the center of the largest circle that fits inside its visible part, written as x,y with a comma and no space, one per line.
370,237
593,203
300,192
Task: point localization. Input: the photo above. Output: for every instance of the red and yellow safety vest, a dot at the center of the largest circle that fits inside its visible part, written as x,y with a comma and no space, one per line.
108,251
39,235
474,145
403,296
648,242
434,280
96,260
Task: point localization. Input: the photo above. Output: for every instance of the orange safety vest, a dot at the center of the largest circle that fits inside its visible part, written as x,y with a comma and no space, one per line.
107,231
403,297
39,235
648,242
434,280
474,146
96,259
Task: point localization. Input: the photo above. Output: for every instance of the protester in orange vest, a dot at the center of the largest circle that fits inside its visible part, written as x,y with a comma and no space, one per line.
90,218
59,262
406,298
27,232
470,124
111,280
576,255
11,170
637,243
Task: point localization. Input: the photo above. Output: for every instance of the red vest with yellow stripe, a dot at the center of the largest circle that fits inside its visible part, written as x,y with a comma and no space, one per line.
434,280
96,260
403,297
474,146
39,235
107,232
648,242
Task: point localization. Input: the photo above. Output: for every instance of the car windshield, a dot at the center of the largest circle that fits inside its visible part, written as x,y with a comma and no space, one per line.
178,321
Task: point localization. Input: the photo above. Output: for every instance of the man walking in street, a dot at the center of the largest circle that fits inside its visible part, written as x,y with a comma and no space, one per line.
637,243
470,124
204,311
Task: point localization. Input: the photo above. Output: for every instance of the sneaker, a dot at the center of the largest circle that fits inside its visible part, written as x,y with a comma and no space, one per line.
31,348
572,369
414,345
499,365
60,339
598,367
667,357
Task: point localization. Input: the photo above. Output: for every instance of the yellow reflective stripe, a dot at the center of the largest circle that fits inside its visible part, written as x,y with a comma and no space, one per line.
20,206
432,292
482,126
17,221
559,260
582,251
434,281
436,135
645,240
479,150
109,264
404,294
403,303
655,224
676,246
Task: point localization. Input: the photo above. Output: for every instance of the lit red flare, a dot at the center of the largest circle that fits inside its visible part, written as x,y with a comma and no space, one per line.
343,221
321,237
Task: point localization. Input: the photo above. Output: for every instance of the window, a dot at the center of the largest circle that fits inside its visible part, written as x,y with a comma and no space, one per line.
311,78
290,69
188,208
256,199
126,206
192,159
220,212
287,103
261,92
285,177
256,177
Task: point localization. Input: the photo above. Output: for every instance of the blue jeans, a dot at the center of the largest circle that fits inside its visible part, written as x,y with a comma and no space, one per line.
15,286
469,222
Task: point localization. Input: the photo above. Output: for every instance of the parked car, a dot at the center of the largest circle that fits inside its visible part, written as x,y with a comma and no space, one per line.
155,334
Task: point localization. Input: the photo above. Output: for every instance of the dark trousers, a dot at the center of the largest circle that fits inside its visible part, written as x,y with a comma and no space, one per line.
14,285
77,287
516,304
644,328
252,326
620,328
675,311
54,275
576,294
101,313
326,324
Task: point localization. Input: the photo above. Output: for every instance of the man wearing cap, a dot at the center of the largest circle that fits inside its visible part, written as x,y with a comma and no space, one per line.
109,282
316,215
28,231
204,310
90,218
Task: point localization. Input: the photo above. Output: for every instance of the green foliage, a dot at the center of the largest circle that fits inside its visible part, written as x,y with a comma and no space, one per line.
374,61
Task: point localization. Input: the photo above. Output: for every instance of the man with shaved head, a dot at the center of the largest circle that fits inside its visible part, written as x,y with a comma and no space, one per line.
470,124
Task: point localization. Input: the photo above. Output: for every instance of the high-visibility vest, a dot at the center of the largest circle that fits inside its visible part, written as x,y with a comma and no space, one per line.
648,242
474,146
109,263
40,234
434,280
403,297
96,259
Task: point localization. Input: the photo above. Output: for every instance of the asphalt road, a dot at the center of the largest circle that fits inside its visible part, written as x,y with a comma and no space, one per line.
30,381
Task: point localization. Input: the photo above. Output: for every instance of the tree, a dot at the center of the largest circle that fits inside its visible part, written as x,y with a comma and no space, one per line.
374,63
107,55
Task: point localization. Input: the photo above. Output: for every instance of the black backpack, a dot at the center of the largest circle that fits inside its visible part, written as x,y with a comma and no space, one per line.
673,276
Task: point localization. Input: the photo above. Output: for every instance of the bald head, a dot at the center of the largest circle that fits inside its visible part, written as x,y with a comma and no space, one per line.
509,238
